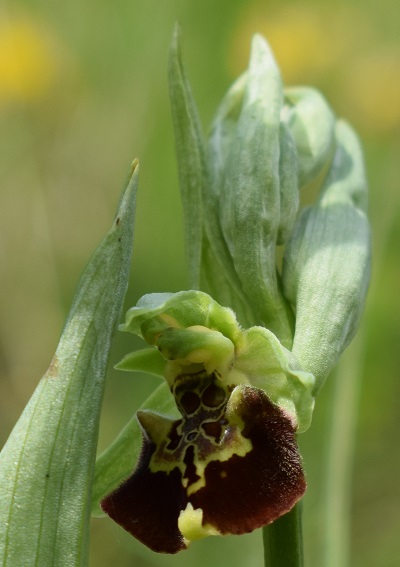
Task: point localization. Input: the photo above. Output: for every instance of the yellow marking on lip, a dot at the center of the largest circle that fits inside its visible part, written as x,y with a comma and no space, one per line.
190,524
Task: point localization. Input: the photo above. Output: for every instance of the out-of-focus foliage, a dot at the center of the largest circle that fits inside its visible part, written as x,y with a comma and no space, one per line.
83,90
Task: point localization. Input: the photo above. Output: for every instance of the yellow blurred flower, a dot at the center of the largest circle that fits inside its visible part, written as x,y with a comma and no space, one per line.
300,36
28,61
372,85
337,50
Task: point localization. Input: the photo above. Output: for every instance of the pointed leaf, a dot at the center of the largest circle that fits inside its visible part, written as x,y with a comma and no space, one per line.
47,464
191,159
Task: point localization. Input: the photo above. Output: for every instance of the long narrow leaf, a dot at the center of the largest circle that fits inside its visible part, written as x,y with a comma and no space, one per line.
191,159
46,466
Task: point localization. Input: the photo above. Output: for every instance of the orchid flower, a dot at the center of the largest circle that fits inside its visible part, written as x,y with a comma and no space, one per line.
230,463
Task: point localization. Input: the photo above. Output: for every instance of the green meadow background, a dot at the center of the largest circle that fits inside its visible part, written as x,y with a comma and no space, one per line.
82,92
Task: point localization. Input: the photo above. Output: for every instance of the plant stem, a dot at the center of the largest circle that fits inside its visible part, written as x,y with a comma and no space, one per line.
283,540
340,457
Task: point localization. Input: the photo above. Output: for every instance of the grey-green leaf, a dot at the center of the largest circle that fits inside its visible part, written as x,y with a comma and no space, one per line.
47,464
191,157
327,261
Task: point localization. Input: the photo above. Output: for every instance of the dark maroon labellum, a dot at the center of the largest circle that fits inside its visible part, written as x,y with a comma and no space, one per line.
233,459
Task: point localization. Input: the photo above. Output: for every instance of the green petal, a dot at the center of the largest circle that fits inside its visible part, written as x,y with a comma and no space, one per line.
148,360
268,365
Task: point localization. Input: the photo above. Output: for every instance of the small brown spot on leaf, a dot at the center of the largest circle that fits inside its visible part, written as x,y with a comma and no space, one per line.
53,369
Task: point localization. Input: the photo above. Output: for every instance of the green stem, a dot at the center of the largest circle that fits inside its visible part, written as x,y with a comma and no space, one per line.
283,540
340,457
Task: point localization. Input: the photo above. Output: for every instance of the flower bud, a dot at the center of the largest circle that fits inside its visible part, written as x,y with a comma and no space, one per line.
327,261
312,125
266,143
252,173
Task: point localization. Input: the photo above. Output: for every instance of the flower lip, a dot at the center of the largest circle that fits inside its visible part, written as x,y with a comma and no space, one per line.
186,487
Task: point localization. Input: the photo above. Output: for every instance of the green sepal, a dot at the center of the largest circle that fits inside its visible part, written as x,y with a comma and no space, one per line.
271,367
312,124
148,360
119,460
47,464
326,266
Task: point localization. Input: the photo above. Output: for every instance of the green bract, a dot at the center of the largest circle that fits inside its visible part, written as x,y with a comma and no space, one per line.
327,261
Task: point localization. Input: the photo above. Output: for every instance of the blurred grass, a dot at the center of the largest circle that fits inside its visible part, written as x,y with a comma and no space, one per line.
83,91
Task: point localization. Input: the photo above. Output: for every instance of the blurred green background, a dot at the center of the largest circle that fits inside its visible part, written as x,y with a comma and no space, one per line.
82,91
